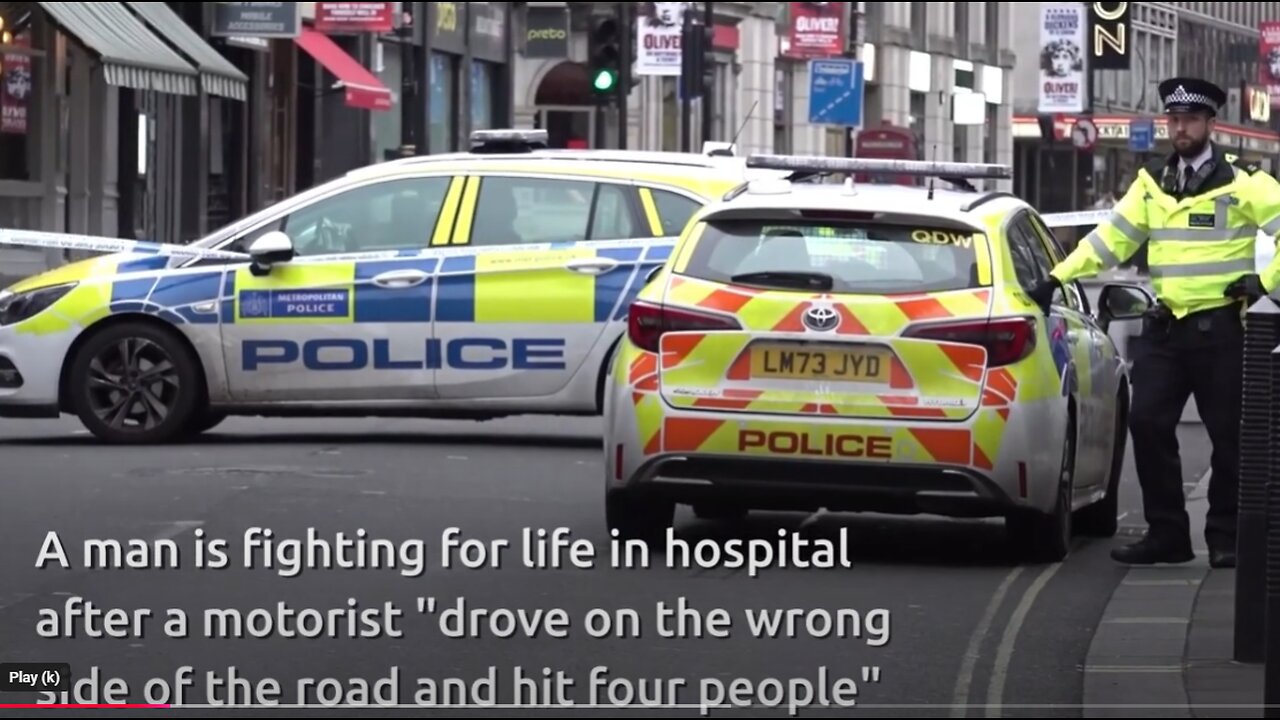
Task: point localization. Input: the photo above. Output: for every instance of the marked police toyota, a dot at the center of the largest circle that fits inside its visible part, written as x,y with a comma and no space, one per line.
472,285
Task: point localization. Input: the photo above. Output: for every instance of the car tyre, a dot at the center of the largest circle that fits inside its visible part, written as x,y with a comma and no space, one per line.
1101,519
135,383
638,516
720,512
203,422
1046,537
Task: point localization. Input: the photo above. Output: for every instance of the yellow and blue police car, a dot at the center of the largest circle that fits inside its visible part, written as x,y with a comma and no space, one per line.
467,285
869,348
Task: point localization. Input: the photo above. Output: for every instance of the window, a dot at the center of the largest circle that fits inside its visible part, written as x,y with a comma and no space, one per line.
515,210
858,257
670,115
962,29
1030,260
992,22
18,151
674,211
613,218
393,215
959,142
444,93
782,82
483,79
991,145
917,100
1076,299
919,24
873,23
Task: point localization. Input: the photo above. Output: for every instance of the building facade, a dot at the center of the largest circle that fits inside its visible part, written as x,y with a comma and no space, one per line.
215,110
1215,41
913,65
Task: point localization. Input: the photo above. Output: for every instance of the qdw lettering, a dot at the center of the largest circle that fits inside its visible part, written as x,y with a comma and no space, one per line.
330,354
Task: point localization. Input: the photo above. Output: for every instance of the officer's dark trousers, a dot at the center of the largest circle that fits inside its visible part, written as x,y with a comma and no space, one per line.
1201,356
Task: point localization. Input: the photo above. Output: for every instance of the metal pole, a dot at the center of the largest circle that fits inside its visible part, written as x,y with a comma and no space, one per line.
627,33
408,90
686,101
708,105
851,51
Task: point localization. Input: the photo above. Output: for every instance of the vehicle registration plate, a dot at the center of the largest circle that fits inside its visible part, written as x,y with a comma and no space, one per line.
861,364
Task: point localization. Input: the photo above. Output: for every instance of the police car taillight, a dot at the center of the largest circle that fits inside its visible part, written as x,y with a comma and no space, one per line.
646,322
1007,340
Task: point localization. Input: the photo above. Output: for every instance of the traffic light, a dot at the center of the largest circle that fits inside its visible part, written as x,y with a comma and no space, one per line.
604,62
696,73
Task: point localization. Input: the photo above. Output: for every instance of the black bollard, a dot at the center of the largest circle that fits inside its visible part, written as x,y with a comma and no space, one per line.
1271,626
1257,421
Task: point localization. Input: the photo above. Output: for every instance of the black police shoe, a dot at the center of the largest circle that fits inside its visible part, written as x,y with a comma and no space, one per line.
1222,557
1150,552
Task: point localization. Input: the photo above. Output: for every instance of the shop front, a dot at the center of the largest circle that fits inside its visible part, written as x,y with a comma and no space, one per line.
1115,164
468,76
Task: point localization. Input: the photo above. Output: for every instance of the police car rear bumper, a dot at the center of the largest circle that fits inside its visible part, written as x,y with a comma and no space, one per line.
806,486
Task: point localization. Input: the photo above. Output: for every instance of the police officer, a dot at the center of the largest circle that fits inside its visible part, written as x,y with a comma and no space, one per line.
1198,211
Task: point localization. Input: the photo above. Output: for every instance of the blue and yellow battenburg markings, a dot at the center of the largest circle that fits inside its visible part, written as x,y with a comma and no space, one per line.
520,286
171,297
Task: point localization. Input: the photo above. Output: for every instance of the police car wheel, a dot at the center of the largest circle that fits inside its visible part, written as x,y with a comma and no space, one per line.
1046,537
1101,519
638,516
720,512
204,421
135,383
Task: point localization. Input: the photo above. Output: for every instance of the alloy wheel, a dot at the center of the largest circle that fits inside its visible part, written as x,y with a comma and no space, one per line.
133,384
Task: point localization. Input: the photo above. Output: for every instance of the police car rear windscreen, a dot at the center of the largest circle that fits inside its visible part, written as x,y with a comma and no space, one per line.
859,258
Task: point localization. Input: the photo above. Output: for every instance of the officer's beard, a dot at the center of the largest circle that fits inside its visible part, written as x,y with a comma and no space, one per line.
1190,152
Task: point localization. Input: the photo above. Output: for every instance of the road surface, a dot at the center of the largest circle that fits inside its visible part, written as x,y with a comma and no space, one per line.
967,626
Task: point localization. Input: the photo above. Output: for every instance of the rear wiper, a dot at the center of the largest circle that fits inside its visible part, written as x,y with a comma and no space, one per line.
803,280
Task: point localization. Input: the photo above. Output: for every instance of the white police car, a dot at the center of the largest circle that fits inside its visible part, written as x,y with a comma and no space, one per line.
470,285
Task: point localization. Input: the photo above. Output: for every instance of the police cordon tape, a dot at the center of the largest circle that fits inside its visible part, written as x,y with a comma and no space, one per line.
91,243
1075,219
94,243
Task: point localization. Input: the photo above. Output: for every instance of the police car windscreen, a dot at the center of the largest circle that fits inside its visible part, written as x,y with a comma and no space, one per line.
861,257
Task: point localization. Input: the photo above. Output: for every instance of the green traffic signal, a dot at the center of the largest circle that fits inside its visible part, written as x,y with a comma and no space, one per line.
605,80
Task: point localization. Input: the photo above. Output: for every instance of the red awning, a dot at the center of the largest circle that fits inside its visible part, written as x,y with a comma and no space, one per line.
363,88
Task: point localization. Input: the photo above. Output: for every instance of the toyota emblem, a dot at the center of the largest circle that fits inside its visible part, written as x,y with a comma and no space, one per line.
821,318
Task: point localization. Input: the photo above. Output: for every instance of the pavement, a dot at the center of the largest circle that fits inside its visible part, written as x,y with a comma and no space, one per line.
969,632
1164,647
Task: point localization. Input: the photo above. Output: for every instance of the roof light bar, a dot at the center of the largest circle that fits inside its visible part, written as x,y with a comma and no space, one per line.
820,164
507,140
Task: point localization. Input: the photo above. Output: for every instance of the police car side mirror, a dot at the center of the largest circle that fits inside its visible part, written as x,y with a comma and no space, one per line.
1124,302
271,249
652,274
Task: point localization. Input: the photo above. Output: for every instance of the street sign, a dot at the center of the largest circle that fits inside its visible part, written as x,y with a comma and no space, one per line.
1084,134
836,92
1142,134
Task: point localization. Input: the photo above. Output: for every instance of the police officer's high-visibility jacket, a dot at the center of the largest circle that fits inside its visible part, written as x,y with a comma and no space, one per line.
1197,244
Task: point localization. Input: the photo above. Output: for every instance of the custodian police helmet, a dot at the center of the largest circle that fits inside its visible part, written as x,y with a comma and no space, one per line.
1181,95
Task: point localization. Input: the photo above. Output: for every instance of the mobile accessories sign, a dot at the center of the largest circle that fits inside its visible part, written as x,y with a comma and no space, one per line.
256,19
